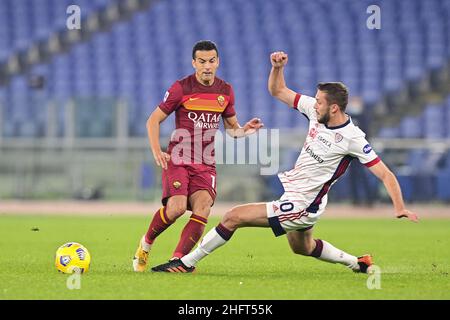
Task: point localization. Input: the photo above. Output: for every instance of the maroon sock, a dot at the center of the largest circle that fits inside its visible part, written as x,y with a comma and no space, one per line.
159,223
317,252
192,232
224,232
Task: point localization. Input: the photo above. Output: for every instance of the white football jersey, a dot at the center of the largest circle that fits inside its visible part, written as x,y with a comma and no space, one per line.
325,156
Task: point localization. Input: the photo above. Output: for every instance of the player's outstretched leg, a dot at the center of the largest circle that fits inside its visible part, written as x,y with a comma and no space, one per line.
215,238
162,219
302,242
250,215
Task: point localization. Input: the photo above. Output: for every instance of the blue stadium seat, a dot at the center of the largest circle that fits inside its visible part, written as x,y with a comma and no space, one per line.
147,176
146,54
433,122
443,185
411,127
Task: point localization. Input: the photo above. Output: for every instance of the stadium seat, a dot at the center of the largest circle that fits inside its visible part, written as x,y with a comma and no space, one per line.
443,185
434,120
406,184
144,55
411,127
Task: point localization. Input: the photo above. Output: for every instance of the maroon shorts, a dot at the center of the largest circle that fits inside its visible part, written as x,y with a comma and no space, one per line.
187,179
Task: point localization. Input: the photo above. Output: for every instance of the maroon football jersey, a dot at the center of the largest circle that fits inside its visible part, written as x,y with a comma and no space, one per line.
198,112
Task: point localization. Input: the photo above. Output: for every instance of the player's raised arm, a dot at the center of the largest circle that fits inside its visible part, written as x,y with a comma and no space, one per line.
153,123
234,129
382,172
276,84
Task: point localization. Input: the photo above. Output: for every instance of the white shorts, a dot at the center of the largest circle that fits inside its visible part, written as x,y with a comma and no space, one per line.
285,216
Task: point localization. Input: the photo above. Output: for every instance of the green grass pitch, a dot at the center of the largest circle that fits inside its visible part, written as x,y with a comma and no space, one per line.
414,260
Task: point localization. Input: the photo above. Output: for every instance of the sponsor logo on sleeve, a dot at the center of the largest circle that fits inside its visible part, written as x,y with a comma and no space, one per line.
166,96
367,148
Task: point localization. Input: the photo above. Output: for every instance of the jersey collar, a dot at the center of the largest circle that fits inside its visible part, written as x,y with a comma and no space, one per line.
342,125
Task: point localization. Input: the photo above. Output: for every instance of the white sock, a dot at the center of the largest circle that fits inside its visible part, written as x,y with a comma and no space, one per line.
335,255
210,242
145,246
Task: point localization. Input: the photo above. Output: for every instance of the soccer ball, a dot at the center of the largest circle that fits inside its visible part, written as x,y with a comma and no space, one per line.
72,257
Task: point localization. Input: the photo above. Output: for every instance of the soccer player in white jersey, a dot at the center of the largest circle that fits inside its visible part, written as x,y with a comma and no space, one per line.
333,141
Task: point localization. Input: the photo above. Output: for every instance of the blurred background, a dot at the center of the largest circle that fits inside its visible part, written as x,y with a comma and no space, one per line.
74,103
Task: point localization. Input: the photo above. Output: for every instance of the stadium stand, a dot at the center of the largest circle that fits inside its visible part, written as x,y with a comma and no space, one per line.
136,61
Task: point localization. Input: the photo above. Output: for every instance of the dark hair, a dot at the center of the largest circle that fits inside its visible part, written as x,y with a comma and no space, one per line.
337,93
204,45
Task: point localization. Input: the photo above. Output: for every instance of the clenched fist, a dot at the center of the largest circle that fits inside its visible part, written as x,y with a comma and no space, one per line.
278,59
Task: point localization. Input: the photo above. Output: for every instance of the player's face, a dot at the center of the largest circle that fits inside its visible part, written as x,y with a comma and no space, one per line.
322,108
205,65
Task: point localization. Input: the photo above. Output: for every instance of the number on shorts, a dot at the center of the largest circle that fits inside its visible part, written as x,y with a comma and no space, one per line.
286,206
213,178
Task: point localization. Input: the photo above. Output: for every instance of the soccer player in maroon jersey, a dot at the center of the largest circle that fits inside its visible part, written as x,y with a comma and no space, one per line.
199,101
